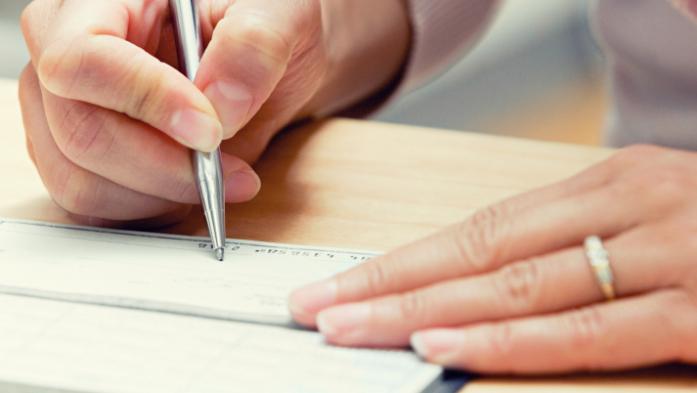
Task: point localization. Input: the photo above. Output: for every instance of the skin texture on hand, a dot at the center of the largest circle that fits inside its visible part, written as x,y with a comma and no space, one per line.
510,290
110,121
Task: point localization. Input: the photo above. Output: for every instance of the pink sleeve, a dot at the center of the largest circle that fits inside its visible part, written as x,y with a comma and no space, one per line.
687,6
441,31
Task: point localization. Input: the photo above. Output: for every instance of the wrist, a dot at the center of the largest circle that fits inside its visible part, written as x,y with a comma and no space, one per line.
367,43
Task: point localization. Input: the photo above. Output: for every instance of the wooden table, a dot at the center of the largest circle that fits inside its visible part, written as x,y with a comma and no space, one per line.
357,184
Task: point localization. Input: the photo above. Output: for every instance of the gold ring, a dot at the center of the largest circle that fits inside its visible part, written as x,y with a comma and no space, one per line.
599,260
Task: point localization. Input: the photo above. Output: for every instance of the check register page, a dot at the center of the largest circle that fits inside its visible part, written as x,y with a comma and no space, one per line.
85,310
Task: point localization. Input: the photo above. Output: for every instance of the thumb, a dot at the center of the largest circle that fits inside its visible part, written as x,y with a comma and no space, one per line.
252,44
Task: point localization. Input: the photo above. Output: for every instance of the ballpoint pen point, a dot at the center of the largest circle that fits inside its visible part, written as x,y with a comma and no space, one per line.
220,254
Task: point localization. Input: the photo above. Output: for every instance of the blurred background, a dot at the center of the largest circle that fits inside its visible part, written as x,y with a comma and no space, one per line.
537,73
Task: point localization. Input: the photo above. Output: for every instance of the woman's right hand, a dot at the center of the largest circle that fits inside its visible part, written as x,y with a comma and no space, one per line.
109,120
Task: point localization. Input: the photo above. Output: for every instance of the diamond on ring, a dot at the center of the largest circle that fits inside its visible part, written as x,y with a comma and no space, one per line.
599,260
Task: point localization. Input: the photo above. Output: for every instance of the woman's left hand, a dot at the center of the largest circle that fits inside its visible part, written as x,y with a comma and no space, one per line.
510,290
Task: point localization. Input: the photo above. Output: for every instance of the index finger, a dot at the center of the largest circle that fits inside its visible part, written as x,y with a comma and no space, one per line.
521,227
86,55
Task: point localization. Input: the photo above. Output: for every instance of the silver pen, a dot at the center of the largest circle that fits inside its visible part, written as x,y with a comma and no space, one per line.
207,166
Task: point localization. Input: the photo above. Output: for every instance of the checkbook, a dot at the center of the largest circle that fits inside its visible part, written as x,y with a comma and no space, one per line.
88,310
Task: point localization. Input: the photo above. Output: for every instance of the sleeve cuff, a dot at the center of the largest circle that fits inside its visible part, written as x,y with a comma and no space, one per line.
441,32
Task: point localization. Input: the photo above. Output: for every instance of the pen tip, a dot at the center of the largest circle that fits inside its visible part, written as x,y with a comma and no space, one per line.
220,254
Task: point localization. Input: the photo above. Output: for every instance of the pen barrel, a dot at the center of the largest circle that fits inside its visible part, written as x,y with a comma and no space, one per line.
189,42
208,171
207,166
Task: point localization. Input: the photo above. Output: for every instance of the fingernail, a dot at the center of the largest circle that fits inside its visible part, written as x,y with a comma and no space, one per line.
233,102
343,320
196,130
439,346
241,185
307,301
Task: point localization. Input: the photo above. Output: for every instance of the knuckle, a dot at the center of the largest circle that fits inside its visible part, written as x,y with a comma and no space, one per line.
73,193
666,185
25,85
83,132
143,102
633,156
34,15
518,286
376,279
640,151
480,239
27,19
628,188
184,191
151,90
500,341
254,31
681,330
411,304
585,326
661,187
61,64
309,22
635,153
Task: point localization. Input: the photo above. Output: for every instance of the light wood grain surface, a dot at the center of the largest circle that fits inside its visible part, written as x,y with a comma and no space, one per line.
366,185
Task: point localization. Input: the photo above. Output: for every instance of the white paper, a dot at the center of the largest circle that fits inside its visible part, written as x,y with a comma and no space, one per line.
65,346
159,272
83,348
